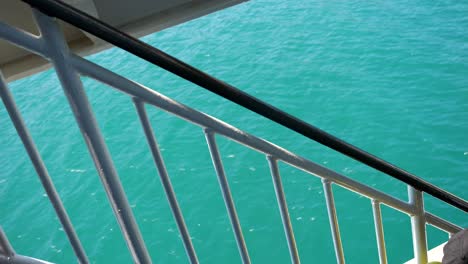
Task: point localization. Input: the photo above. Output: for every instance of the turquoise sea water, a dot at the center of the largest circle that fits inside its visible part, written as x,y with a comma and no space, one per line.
389,77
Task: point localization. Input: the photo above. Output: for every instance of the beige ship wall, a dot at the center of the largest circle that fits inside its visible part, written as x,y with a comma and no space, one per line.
136,17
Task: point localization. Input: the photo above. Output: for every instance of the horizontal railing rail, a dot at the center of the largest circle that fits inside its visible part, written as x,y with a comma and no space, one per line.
157,57
69,67
274,153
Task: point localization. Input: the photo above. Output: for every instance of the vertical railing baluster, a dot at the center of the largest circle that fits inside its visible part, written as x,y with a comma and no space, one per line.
379,233
6,250
227,196
418,225
59,54
283,206
166,182
335,228
41,170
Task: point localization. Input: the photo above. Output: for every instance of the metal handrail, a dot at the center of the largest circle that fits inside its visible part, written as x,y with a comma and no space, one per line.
157,57
215,126
69,67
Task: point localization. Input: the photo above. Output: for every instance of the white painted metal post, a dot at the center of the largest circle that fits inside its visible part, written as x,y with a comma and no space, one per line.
335,227
283,206
73,88
227,196
379,233
166,181
418,225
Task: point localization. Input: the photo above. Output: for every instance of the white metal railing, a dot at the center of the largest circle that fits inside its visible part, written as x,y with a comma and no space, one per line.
51,45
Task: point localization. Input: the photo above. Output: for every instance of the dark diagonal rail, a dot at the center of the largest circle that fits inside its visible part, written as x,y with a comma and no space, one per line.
157,57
